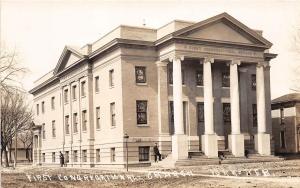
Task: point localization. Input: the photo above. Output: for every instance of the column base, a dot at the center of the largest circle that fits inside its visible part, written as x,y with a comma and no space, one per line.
179,146
262,144
210,145
236,144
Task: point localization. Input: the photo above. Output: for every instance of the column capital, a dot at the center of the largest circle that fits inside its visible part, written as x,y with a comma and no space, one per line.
235,61
161,63
262,64
208,60
173,58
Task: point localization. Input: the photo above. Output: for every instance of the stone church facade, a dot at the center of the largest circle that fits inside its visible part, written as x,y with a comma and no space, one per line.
187,86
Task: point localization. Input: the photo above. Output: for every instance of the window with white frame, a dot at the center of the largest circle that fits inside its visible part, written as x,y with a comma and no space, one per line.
97,84
84,120
75,156
67,124
140,74
53,129
53,103
74,92
97,155
43,107
53,157
66,98
83,88
98,117
144,153
111,78
43,131
75,122
141,112
112,154
37,109
84,156
113,114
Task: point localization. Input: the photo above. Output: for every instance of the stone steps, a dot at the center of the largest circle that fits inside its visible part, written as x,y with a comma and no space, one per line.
197,158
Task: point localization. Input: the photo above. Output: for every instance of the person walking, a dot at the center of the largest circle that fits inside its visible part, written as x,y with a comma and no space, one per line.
62,159
156,153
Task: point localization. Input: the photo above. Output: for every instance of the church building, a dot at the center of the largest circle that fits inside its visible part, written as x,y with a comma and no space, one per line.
189,87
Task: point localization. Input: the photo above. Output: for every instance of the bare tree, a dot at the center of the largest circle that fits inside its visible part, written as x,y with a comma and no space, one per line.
16,117
10,72
26,137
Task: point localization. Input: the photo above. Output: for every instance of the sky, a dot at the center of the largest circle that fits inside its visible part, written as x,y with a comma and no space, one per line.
39,30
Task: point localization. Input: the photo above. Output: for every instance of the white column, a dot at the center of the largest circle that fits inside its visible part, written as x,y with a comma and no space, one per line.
179,139
209,139
262,139
162,105
236,139
177,97
208,97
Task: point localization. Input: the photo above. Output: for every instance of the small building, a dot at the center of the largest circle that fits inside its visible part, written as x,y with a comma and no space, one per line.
286,123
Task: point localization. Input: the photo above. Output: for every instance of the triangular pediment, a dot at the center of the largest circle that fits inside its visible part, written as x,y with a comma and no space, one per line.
68,57
223,28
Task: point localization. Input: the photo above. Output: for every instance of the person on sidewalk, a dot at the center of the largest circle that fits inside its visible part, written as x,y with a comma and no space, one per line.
156,153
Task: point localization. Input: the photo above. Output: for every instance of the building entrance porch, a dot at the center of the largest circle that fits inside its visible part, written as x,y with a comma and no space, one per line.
219,122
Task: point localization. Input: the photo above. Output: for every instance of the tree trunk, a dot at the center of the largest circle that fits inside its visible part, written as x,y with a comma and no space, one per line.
6,158
9,151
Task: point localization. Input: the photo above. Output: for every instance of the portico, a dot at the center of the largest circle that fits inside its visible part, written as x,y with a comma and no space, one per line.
209,140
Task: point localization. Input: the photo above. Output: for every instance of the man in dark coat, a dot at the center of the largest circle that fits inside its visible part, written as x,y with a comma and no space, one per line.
61,159
156,153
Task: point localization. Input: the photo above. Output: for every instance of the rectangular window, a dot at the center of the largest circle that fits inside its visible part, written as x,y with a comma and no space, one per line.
226,113
199,78
43,157
281,116
170,75
84,121
282,139
43,131
37,109
84,156
53,103
171,111
83,89
67,124
112,154
74,95
75,156
144,153
253,82
140,74
225,79
53,157
141,112
75,123
53,129
254,115
113,114
97,84
43,107
66,95
111,78
67,156
97,155
97,117
200,111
